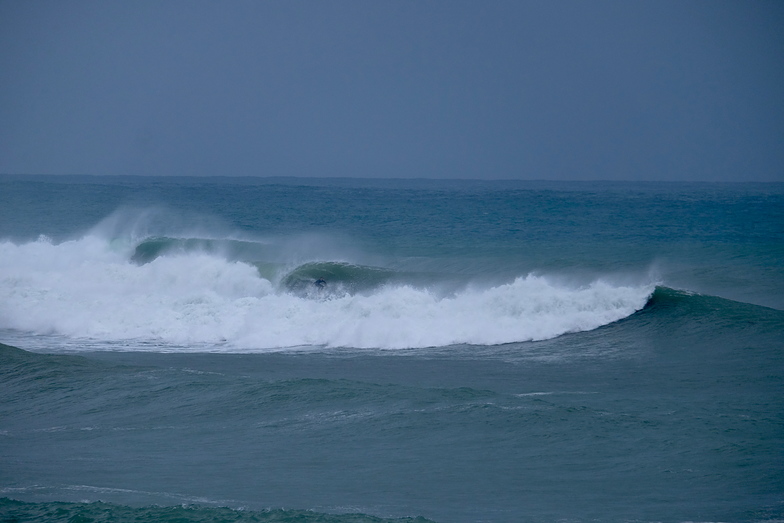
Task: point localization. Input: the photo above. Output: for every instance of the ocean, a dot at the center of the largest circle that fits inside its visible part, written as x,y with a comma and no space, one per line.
349,350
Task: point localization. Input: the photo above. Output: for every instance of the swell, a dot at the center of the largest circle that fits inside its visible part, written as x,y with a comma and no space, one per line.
48,393
12,510
188,294
668,308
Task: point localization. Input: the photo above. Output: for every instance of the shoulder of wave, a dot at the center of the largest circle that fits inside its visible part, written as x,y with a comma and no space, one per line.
665,298
15,358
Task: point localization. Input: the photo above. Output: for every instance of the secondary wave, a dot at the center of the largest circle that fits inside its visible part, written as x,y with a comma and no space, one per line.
93,289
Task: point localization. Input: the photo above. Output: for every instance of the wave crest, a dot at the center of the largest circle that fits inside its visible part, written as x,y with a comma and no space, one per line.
86,289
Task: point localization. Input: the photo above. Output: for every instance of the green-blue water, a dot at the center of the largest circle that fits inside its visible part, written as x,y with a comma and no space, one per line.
480,351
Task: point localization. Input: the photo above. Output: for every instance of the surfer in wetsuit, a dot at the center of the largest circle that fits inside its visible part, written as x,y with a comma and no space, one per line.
320,283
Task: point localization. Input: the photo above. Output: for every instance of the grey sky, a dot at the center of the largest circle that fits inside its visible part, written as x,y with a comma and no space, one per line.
656,90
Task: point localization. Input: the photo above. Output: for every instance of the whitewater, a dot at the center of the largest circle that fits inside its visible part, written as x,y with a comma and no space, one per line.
478,351
89,288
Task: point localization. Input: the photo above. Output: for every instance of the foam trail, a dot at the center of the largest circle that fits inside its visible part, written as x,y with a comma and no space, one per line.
530,308
87,289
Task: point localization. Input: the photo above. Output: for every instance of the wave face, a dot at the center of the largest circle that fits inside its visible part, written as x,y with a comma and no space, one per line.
189,291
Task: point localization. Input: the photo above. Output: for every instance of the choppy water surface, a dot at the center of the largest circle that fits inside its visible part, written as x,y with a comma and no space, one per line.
477,351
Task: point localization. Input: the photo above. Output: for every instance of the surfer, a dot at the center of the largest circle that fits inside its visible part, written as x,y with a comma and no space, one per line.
320,283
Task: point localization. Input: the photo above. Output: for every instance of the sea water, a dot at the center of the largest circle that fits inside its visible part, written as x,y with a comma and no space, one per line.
480,351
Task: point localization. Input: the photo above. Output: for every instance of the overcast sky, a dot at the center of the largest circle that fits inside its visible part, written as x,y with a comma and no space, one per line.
654,90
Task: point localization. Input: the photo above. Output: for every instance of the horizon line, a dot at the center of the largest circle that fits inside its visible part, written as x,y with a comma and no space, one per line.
250,177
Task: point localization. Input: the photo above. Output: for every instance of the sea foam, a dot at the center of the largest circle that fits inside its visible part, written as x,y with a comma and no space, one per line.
88,289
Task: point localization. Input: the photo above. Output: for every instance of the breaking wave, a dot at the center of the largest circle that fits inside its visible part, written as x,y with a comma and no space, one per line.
180,294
